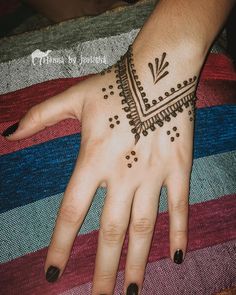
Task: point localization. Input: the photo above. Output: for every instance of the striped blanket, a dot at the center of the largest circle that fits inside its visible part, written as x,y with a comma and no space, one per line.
35,171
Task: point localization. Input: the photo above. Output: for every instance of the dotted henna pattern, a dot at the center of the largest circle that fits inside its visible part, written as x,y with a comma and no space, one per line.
131,158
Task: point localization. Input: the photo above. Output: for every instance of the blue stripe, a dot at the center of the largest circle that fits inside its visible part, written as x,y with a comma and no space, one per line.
44,170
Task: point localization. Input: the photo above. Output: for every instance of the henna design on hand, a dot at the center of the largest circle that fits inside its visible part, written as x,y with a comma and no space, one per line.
175,129
131,158
141,114
116,118
108,91
158,73
105,71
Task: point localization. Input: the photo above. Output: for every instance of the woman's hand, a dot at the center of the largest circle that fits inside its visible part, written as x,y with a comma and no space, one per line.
137,135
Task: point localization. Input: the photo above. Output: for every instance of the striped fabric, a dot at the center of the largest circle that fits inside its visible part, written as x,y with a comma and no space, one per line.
35,172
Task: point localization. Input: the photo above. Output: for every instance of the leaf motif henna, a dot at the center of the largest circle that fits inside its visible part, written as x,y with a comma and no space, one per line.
157,73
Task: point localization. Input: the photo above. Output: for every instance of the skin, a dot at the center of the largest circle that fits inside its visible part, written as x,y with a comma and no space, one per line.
132,193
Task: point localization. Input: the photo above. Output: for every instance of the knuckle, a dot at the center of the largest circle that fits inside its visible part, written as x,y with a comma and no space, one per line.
68,214
137,268
34,115
142,226
180,206
106,276
181,232
113,232
59,251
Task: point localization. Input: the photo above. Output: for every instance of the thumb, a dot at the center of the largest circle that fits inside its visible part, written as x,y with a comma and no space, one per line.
53,110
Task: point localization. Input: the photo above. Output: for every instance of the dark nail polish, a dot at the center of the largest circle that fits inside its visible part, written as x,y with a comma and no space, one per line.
52,274
10,130
132,289
178,257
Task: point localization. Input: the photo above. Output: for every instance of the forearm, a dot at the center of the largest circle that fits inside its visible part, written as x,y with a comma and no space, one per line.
183,23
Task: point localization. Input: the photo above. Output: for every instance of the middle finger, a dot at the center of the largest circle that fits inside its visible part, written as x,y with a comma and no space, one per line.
114,223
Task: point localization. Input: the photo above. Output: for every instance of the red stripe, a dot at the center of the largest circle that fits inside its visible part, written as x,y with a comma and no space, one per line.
210,223
213,89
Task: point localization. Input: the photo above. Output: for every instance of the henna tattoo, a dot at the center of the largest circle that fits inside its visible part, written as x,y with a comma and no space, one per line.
131,158
108,91
176,133
116,119
191,114
158,74
141,114
105,71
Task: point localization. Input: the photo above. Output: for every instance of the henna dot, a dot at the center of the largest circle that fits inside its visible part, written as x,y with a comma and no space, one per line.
179,85
167,118
154,102
103,89
168,132
136,77
138,83
119,87
110,119
112,125
140,88
133,130
145,133
133,153
160,123
160,98
145,100
112,93
105,96
185,82
194,78
191,119
189,112
117,76
172,139
166,93
110,86
127,157
174,114
117,122
126,109
143,94
128,116
129,165
116,117
117,82
177,134
153,127
174,128
121,94
172,90
190,80
135,159
131,122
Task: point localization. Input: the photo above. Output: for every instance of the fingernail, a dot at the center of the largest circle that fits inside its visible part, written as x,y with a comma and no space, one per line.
132,289
178,257
10,130
52,274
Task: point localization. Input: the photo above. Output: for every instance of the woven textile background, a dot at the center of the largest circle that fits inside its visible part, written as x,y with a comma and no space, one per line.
35,171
